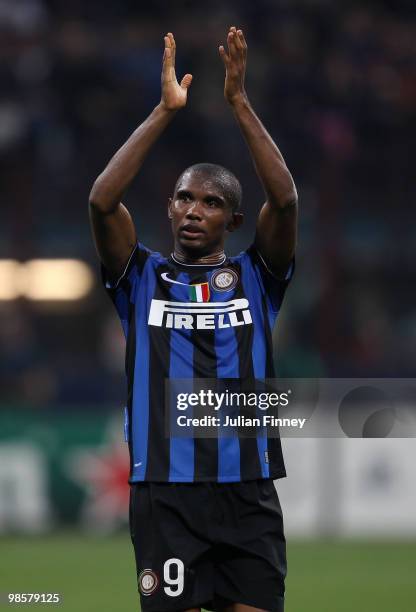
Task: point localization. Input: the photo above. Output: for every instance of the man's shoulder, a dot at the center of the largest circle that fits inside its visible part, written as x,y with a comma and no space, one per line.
242,257
144,253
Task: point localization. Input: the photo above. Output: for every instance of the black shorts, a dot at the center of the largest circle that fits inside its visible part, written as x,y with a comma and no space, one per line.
208,545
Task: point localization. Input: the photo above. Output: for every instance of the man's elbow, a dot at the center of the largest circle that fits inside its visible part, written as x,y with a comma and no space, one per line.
98,198
96,194
290,197
283,194
286,203
290,200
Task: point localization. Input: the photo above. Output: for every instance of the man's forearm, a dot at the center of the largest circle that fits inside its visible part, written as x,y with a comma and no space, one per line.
268,160
111,184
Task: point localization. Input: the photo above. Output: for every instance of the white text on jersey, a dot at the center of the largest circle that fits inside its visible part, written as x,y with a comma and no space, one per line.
204,315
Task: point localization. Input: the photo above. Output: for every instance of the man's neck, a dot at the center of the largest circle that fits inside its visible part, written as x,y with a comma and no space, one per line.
206,260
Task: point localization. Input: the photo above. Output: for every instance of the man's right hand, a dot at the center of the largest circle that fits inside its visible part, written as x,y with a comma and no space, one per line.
174,95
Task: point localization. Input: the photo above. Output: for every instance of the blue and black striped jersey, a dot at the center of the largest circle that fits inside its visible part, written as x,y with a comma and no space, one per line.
195,321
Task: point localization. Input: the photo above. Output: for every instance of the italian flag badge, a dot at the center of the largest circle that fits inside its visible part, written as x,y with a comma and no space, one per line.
199,293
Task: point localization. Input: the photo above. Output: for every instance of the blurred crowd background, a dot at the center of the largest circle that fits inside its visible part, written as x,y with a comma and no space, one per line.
334,82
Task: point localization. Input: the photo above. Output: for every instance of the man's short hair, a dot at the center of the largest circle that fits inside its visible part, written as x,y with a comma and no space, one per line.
229,183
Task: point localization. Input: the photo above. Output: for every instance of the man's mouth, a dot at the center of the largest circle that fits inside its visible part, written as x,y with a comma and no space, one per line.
191,231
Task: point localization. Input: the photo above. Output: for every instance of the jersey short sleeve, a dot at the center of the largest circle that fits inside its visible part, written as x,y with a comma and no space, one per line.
273,287
122,290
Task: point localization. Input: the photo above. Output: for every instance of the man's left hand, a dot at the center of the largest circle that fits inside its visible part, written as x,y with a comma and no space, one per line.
235,65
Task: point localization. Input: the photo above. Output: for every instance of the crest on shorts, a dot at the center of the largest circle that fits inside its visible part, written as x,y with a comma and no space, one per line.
148,582
224,279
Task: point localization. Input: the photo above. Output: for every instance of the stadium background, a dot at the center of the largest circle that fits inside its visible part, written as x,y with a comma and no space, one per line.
336,85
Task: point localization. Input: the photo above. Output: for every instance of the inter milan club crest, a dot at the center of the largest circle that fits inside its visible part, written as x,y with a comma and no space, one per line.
148,582
199,293
224,279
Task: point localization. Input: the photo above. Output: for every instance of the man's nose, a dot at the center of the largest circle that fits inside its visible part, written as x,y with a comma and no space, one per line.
194,211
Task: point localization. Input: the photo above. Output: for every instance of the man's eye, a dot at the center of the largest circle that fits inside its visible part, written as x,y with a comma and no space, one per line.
184,197
212,203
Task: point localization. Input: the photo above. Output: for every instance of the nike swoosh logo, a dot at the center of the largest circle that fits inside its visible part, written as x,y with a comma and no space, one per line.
138,464
165,277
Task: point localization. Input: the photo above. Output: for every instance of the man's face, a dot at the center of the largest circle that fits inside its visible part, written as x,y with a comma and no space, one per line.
200,215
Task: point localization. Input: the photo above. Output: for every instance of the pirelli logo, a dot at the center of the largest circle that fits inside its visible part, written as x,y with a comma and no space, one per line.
206,315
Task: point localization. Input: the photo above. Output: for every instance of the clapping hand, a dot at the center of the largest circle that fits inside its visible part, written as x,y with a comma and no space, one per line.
235,65
174,95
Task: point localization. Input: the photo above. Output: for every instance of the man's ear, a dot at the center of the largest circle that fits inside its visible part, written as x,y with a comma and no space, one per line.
236,221
170,208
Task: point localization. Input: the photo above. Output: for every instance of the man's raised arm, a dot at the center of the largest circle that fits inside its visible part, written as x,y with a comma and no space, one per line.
276,225
112,226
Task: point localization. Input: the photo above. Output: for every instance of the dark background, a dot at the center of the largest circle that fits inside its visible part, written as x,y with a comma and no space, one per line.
335,83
